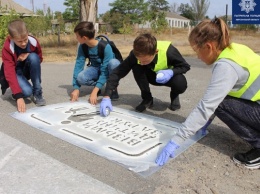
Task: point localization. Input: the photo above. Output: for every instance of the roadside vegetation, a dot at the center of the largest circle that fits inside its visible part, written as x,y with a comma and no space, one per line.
59,43
179,38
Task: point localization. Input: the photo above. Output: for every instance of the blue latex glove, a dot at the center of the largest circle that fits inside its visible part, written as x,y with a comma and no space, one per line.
204,128
167,75
167,152
105,103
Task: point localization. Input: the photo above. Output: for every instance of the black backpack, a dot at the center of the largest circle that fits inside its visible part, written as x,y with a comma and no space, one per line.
101,47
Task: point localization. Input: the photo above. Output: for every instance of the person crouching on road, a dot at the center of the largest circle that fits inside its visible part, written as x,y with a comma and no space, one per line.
153,62
98,70
233,94
22,57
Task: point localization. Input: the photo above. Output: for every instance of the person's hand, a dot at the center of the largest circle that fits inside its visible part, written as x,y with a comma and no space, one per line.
20,105
204,128
164,76
74,95
167,152
22,56
93,98
105,103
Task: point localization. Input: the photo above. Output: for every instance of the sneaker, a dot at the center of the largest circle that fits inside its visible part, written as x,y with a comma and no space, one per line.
250,159
39,100
144,104
114,95
175,104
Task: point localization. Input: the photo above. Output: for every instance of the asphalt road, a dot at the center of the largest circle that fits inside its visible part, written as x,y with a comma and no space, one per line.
32,161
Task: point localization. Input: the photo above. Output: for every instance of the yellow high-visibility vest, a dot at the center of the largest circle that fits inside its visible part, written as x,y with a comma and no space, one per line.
246,58
162,47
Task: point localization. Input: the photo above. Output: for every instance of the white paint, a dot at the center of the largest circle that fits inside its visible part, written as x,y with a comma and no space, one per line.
9,156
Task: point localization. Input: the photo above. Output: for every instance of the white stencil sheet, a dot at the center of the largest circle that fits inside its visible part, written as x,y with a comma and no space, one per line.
129,138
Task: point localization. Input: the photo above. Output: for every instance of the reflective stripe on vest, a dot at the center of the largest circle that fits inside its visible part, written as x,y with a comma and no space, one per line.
246,58
162,47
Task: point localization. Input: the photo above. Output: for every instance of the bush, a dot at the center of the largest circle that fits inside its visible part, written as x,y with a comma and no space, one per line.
4,20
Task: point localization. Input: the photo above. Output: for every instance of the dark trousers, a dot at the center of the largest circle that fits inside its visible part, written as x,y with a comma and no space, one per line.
144,76
242,117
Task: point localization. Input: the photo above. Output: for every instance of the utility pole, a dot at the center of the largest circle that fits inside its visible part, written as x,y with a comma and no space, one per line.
226,13
44,8
32,3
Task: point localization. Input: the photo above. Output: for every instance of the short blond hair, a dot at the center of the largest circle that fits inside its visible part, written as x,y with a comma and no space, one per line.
17,28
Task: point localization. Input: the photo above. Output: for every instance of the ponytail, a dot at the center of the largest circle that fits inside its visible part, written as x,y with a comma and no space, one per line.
211,30
224,37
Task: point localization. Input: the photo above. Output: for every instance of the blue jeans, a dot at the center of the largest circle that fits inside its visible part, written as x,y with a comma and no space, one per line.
30,68
242,117
90,75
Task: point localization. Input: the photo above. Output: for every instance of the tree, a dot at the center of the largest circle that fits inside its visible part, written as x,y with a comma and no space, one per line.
124,14
84,10
135,9
174,7
186,11
4,20
127,28
200,8
157,9
88,10
158,5
73,9
160,24
115,19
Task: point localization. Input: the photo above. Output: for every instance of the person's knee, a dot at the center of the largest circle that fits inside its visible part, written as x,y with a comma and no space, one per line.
83,80
180,85
33,58
181,88
220,109
113,63
27,91
223,109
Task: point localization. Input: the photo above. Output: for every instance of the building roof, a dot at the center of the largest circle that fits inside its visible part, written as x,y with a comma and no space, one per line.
8,5
175,15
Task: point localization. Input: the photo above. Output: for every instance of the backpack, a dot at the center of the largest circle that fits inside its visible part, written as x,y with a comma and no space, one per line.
101,47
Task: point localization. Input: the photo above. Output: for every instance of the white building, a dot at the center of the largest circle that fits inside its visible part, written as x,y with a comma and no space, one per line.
174,20
177,21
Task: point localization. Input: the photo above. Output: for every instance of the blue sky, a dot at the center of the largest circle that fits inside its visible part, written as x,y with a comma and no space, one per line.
217,7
